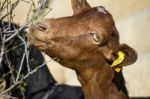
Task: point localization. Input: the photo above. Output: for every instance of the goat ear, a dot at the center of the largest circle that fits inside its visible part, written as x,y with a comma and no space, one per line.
130,55
79,6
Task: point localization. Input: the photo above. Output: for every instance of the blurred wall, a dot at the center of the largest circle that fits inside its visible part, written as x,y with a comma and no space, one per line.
132,19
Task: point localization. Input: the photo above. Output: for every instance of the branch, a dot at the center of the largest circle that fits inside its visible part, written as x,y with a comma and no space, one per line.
26,76
9,35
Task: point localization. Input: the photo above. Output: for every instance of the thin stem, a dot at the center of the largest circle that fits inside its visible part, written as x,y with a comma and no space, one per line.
26,76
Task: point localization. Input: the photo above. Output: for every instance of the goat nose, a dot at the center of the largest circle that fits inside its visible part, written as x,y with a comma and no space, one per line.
41,27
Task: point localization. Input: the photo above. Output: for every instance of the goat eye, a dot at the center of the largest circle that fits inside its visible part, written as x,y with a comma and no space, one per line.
96,38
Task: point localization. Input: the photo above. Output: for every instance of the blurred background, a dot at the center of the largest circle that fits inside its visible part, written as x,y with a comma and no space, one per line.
132,18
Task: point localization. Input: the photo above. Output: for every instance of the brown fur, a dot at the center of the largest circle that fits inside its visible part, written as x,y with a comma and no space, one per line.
71,40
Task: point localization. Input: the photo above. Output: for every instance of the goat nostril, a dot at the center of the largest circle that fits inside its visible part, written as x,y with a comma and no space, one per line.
41,27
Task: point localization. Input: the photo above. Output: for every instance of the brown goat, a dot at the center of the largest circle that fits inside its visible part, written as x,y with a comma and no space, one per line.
87,42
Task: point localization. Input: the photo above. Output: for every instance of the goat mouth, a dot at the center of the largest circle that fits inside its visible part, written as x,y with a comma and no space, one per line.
36,38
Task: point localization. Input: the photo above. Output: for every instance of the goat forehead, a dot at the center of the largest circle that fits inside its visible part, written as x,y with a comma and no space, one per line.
93,14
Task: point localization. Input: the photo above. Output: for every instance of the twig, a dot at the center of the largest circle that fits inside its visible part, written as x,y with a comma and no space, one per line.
28,22
8,35
13,7
7,96
26,45
26,76
20,68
